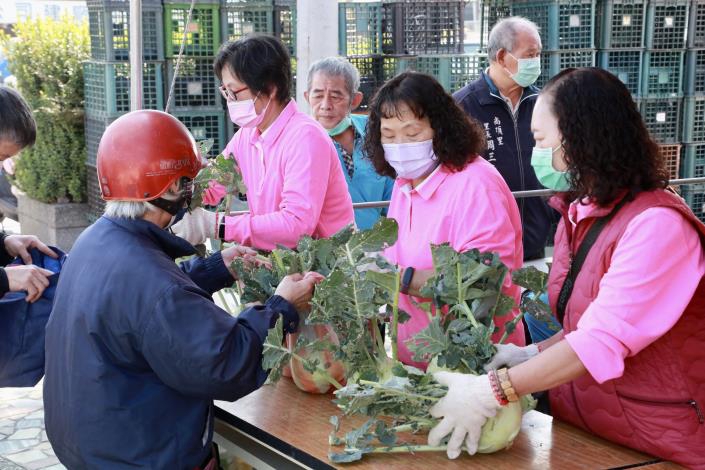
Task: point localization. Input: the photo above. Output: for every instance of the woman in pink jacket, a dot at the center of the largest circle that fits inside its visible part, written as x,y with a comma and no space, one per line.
295,185
443,193
626,283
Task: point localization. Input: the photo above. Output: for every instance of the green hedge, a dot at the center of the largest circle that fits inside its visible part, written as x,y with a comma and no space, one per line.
46,57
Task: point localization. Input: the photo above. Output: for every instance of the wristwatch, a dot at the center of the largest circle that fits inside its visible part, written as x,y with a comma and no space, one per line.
406,280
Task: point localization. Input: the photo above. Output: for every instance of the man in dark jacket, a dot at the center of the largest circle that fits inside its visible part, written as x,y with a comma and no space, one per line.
17,131
136,350
503,99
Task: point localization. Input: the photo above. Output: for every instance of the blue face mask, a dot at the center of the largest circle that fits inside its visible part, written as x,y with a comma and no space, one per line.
542,162
528,71
341,127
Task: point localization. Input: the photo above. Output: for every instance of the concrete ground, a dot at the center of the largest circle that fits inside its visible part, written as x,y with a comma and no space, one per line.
23,441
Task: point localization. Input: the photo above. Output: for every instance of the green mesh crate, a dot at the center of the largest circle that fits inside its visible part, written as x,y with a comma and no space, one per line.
94,128
109,25
671,154
285,23
620,23
694,80
662,117
453,72
429,27
205,125
202,32
693,161
626,64
694,195
666,24
694,120
196,85
366,28
663,73
491,12
240,20
553,62
696,24
107,87
96,205
563,24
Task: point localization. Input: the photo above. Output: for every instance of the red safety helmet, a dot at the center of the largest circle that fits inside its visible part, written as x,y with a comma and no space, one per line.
142,153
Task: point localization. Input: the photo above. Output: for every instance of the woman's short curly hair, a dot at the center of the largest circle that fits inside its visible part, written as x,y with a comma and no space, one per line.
607,147
457,139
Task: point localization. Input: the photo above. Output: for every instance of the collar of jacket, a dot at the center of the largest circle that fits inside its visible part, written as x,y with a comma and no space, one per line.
490,92
173,246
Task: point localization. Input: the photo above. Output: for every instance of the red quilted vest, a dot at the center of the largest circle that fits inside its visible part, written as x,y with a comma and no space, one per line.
658,405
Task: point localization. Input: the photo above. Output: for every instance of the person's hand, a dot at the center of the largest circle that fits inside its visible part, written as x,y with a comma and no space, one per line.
30,278
19,245
466,407
298,289
248,255
196,226
510,355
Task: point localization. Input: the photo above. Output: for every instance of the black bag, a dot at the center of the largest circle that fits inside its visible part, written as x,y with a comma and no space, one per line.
22,327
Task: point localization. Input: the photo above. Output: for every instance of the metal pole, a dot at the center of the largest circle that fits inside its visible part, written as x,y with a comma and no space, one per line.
135,55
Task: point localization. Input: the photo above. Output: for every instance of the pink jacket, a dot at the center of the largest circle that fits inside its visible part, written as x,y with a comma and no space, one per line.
295,185
472,208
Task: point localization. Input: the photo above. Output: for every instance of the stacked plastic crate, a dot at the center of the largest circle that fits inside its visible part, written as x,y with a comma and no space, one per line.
384,38
195,99
107,74
567,29
694,114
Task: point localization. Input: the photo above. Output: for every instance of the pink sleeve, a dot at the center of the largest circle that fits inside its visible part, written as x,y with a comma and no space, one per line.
214,193
306,170
655,269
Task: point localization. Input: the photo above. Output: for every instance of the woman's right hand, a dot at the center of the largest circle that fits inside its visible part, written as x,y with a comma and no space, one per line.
30,278
298,289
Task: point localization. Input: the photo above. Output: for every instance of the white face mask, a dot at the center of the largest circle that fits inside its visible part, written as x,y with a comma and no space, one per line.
244,114
412,160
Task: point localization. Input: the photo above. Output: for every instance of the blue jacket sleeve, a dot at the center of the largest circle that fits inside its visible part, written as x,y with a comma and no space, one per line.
387,195
198,349
210,274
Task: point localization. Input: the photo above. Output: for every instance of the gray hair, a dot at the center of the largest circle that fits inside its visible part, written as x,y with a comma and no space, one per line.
134,209
336,67
503,34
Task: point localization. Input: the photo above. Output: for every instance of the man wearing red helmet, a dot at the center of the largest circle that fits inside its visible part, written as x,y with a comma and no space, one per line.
136,350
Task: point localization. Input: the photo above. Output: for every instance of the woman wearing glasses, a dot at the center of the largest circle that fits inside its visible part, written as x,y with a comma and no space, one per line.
295,185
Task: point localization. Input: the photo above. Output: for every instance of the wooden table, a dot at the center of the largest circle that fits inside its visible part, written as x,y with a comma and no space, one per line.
282,427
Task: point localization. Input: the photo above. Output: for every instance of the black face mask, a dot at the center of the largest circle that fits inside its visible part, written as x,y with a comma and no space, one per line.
182,203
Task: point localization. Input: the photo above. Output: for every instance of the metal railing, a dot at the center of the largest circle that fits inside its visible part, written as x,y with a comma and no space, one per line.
516,194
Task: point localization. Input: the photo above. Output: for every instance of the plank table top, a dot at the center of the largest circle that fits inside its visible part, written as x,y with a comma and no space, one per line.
296,424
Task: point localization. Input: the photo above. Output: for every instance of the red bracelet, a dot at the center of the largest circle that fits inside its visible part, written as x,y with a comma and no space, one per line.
497,388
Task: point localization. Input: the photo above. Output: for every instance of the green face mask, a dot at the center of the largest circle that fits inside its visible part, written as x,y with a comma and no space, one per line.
542,161
528,71
341,127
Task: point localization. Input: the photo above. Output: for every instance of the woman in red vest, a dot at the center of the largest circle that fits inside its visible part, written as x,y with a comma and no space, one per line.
626,283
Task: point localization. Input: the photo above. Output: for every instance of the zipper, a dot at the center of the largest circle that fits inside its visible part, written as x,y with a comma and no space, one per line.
684,402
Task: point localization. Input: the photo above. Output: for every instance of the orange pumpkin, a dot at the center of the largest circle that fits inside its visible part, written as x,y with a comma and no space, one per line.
315,382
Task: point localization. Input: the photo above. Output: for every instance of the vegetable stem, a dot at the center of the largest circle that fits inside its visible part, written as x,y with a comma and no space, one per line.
395,318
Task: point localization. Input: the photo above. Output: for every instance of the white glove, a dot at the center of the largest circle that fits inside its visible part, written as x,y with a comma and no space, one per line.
510,355
196,226
466,407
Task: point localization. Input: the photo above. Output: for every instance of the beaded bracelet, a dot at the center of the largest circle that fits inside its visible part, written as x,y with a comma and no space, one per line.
497,388
506,384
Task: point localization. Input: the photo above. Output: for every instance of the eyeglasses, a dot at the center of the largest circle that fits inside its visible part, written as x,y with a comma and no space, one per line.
231,95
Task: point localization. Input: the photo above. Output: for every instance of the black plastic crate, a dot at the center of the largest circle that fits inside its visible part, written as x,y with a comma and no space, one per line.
693,161
366,28
202,32
240,20
563,24
205,125
621,23
694,80
694,195
107,87
696,24
662,117
109,26
285,23
666,24
663,73
375,70
626,64
430,27
694,120
491,12
196,85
